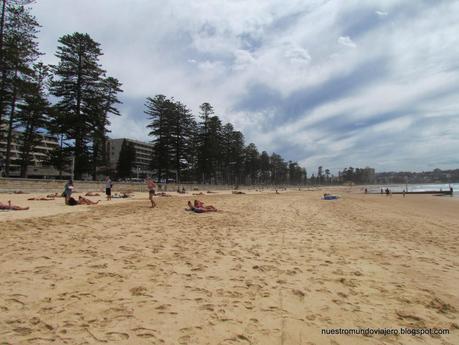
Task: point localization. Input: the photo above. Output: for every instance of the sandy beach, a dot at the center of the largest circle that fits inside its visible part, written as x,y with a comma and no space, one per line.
268,269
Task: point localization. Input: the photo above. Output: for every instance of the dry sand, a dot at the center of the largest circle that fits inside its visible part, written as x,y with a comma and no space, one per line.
269,269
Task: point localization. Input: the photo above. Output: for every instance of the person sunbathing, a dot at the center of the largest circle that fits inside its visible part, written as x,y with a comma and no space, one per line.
121,196
12,207
200,193
41,199
55,195
237,192
201,209
85,201
92,194
198,204
162,194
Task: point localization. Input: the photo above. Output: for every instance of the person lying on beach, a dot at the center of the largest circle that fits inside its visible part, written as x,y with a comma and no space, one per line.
55,195
85,201
81,201
200,193
237,192
200,204
41,199
19,192
210,192
121,195
163,194
328,196
200,209
92,194
12,207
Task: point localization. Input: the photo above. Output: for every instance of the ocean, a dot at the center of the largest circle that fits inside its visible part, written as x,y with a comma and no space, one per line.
416,187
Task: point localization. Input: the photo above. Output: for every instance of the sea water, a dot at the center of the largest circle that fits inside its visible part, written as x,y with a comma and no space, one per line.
416,187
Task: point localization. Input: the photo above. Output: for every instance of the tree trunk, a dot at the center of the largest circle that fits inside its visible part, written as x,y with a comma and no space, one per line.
9,137
78,165
26,148
95,152
2,65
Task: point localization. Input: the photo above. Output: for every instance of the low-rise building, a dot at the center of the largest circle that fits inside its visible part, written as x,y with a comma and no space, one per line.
37,167
143,155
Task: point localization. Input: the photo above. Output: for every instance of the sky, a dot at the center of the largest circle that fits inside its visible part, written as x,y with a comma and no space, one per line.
331,83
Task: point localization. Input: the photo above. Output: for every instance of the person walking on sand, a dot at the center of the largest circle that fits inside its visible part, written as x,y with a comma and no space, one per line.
108,188
151,185
68,189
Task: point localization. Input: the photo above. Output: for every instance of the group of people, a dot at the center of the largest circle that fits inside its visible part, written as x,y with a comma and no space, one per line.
197,206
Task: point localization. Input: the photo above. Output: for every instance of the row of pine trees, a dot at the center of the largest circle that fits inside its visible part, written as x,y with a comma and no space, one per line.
74,99
83,94
208,150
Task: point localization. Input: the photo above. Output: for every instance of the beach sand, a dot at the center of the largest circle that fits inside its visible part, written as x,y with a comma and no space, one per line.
268,269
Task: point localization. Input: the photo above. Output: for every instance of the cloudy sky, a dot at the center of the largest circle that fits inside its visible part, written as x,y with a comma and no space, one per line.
332,83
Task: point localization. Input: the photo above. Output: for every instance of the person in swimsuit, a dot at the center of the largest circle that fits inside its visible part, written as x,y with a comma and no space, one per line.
151,185
201,208
9,206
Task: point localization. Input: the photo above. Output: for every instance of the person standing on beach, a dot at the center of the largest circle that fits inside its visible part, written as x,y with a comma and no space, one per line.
108,188
151,185
68,189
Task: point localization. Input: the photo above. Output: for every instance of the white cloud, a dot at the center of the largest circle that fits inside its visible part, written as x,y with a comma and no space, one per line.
346,41
216,51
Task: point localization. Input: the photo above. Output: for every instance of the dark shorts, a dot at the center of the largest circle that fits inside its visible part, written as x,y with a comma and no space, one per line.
108,191
152,192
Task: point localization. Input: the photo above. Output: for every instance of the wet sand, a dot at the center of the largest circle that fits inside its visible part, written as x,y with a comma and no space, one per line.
268,269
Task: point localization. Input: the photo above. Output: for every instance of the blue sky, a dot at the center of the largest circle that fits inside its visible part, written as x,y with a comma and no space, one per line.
331,83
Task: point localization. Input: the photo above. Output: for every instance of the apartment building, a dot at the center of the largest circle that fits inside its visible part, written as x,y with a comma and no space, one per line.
37,168
143,155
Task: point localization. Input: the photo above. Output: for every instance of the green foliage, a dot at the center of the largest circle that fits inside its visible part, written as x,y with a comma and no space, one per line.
33,113
85,99
209,151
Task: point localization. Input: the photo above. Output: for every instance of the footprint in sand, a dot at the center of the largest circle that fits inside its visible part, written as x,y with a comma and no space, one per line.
117,336
238,339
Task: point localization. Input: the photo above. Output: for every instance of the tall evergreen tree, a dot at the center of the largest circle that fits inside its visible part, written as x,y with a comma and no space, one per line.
182,125
251,163
20,50
77,84
204,168
160,113
7,13
33,113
